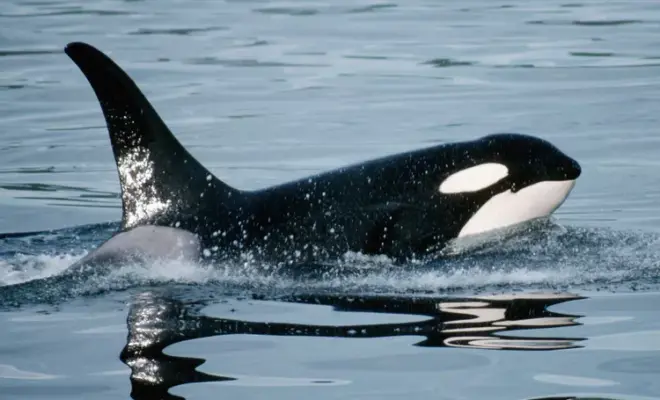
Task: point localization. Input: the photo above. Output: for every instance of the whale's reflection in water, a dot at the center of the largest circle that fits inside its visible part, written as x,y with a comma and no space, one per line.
157,320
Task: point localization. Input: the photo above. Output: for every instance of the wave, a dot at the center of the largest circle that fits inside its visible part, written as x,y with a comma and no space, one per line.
544,255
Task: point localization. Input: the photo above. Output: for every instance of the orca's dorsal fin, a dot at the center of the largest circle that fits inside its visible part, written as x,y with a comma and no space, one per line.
161,183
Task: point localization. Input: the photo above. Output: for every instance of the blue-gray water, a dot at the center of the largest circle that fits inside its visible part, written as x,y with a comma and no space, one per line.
262,92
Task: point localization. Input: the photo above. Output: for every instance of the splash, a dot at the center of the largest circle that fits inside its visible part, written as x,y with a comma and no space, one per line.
23,268
543,256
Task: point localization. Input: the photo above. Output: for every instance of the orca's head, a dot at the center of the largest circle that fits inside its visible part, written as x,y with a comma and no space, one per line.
505,179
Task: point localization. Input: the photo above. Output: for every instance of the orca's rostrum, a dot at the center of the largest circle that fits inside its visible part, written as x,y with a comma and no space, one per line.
403,206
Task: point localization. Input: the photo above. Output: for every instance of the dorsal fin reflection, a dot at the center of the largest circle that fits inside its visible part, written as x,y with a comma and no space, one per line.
156,321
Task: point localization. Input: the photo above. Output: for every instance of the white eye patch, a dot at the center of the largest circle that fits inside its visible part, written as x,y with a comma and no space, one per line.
474,178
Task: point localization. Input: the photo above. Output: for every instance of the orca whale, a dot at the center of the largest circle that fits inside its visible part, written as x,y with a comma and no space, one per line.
404,206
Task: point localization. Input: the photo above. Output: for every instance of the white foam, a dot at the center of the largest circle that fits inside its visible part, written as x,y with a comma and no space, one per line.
354,273
22,268
557,259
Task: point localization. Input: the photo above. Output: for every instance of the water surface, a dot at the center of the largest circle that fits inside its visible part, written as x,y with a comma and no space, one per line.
262,92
